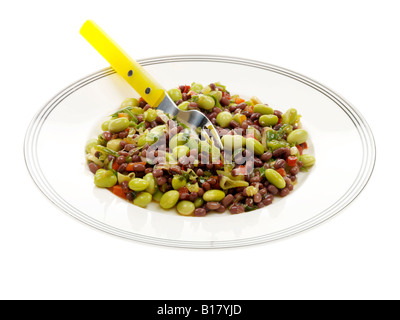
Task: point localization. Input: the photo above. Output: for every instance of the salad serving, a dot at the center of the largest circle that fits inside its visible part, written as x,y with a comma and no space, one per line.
145,155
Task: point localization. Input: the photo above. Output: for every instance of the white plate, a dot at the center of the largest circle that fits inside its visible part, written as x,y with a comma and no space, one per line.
341,142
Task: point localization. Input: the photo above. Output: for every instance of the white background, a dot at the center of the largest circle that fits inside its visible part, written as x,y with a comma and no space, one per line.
350,46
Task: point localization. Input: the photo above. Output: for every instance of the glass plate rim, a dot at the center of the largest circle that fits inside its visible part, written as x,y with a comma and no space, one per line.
364,174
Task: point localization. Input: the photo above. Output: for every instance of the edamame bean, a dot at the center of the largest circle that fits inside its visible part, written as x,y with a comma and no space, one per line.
142,199
205,102
150,115
213,195
137,110
178,182
290,116
184,105
239,118
175,94
294,151
152,183
118,125
224,118
105,125
233,142
157,195
275,178
169,199
180,151
130,102
206,89
268,120
185,208
255,145
196,87
198,202
90,144
216,94
178,140
114,144
297,136
307,159
263,109
255,100
105,178
138,184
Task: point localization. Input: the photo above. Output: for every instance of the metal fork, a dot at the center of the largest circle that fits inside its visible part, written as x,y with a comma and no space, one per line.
143,83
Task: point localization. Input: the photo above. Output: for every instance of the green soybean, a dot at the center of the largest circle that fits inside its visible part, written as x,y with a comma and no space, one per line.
224,118
180,151
105,178
114,144
157,195
175,94
152,183
233,142
178,182
275,178
142,199
178,140
90,144
184,105
263,109
198,202
239,118
105,125
290,116
297,136
205,102
169,199
130,102
138,184
137,110
255,145
307,159
118,125
216,94
150,115
196,87
213,195
268,120
185,208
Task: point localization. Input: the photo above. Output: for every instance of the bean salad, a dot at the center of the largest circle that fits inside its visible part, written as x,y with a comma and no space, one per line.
145,155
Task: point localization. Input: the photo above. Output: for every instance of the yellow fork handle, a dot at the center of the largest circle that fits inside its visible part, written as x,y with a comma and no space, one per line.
123,64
